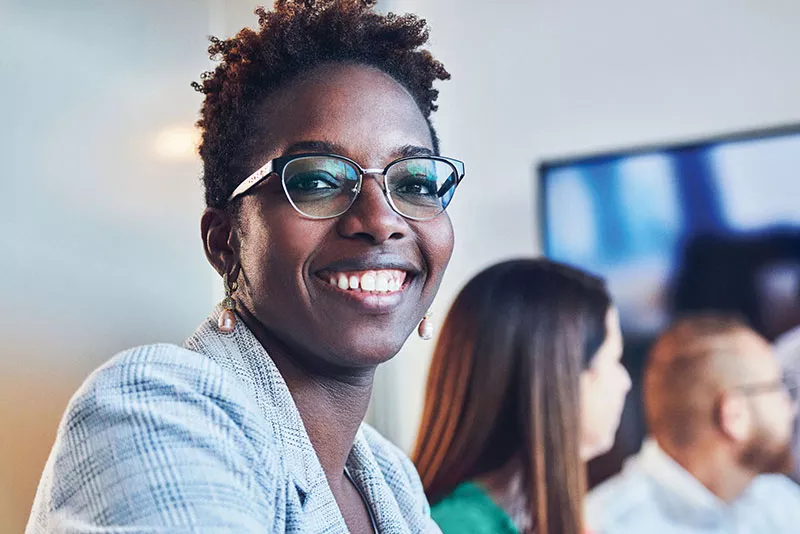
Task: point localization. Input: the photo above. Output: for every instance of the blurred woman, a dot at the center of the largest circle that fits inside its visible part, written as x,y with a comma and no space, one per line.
525,386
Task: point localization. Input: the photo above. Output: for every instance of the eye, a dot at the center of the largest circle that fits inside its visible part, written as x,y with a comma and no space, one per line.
314,181
416,185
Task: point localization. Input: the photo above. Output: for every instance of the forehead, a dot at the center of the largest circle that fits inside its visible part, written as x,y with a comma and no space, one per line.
363,110
612,320
611,349
757,357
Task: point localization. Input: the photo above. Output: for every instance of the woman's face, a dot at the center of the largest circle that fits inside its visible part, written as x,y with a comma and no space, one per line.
291,266
604,386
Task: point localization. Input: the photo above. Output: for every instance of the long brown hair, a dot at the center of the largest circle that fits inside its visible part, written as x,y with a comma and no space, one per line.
505,381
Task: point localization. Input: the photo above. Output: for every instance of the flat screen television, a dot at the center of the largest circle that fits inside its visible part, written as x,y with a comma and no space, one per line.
708,224
705,225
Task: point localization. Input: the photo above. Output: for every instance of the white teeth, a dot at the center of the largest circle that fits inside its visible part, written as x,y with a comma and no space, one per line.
371,281
382,282
368,282
344,283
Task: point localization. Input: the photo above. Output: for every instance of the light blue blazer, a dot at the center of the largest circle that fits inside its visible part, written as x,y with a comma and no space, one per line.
206,438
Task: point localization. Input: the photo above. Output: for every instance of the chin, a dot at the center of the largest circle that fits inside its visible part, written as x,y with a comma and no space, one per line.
605,447
364,350
590,452
765,457
783,462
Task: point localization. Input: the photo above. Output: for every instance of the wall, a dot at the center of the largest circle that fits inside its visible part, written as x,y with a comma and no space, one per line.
536,79
100,205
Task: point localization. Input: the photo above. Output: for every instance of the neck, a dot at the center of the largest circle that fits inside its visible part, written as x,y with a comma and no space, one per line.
505,485
332,402
714,466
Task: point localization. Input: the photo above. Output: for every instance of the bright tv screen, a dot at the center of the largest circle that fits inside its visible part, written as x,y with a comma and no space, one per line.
704,225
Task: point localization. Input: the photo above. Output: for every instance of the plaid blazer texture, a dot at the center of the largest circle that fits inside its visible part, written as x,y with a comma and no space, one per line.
206,438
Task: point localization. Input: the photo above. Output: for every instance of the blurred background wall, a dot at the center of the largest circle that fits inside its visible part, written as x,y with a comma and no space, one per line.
100,184
537,79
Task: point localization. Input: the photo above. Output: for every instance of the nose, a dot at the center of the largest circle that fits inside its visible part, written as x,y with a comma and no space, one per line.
371,217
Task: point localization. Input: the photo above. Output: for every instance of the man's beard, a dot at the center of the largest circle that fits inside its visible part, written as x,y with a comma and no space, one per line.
763,455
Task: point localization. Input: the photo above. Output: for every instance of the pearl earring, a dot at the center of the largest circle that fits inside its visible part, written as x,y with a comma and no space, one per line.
425,329
227,319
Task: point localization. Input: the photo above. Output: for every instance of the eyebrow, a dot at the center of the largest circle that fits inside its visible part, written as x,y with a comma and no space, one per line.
315,146
330,147
413,150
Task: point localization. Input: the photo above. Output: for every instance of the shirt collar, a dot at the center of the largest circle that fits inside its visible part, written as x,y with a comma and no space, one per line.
681,493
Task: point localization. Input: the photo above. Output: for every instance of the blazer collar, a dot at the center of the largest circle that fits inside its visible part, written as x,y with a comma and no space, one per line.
241,353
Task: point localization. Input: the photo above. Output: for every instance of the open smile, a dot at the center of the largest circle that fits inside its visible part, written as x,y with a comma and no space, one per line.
377,281
371,287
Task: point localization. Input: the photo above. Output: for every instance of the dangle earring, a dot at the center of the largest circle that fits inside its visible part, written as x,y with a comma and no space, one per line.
227,319
425,329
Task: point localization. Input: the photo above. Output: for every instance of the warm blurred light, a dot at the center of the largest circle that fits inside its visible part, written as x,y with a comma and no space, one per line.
177,143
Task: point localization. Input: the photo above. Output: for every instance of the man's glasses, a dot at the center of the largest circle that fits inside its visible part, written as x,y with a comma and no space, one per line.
322,186
789,383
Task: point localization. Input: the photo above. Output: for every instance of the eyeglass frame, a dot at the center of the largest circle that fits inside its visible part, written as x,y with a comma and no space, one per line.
277,165
789,383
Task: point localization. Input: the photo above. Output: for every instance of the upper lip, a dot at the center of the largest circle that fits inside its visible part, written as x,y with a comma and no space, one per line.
372,263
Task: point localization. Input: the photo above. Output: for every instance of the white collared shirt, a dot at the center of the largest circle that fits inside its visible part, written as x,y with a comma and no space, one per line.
787,350
655,495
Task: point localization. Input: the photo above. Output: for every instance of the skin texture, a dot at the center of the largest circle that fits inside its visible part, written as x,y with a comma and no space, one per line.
325,342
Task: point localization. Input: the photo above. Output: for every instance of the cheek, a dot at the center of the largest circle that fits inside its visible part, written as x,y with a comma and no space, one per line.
437,240
623,381
612,386
591,400
596,415
782,417
275,250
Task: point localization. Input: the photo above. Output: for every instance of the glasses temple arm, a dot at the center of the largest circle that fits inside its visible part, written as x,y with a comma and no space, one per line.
251,181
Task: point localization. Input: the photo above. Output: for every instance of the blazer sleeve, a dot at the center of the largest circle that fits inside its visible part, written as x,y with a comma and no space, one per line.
159,440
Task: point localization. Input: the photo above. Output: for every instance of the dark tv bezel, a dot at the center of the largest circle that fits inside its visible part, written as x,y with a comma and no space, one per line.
595,157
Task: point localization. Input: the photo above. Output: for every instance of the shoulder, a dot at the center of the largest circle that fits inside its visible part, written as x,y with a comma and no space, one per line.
165,363
625,499
165,378
469,510
157,420
770,504
775,494
159,362
392,460
402,479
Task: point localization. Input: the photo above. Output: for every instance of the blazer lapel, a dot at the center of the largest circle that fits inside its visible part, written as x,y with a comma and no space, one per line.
241,353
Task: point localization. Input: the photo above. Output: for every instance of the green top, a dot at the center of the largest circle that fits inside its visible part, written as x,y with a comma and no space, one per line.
470,510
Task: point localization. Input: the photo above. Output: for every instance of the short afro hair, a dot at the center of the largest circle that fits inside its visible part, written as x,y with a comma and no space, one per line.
293,38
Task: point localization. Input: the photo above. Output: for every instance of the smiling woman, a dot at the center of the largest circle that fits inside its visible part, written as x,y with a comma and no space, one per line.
326,220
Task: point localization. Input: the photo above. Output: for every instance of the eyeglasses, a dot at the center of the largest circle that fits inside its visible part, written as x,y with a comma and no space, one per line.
323,186
788,383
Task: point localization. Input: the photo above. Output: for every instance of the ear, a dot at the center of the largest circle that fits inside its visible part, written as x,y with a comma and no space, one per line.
588,376
734,417
220,241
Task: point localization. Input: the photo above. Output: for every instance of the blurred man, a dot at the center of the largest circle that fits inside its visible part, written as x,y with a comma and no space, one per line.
720,418
787,349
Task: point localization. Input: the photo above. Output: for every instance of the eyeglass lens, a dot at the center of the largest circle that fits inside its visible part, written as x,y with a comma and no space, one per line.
326,186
